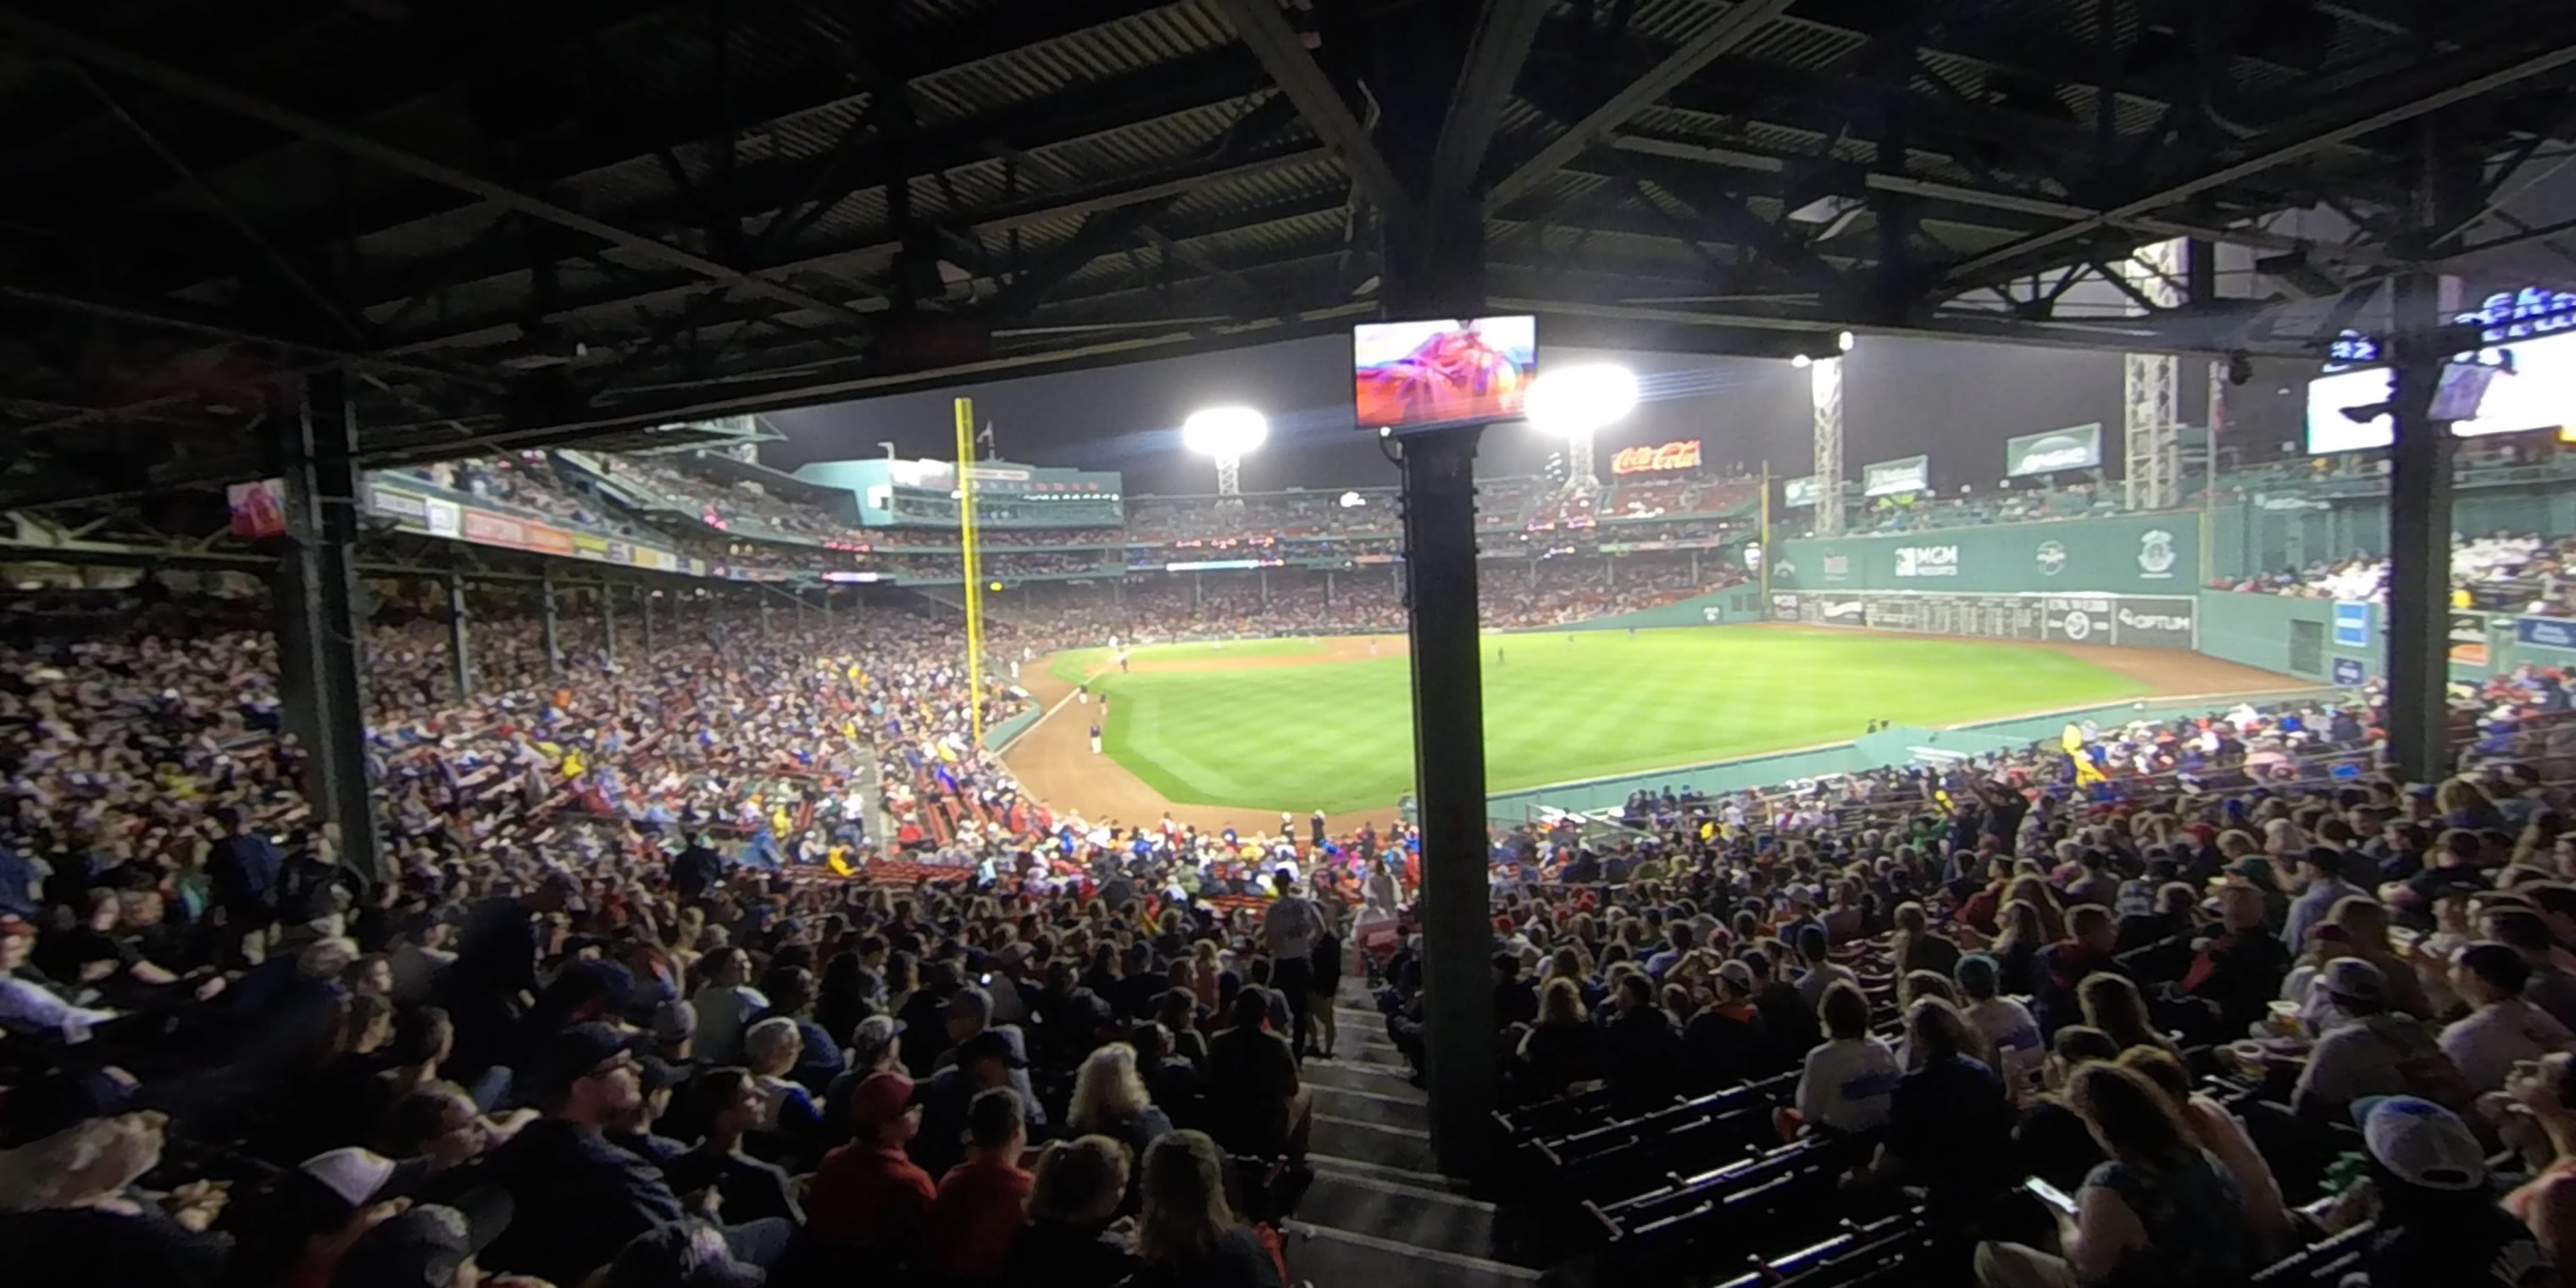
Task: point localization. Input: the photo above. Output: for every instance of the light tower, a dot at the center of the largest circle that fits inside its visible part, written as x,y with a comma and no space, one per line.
1825,394
1227,435
1575,403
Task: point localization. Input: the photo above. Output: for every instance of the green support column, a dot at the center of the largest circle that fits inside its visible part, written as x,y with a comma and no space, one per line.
460,651
321,627
551,628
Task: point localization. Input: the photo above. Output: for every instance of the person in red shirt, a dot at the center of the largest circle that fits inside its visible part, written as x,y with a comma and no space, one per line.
867,1196
983,1201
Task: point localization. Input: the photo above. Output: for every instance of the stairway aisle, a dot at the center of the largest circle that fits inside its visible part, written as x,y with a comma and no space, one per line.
1379,1211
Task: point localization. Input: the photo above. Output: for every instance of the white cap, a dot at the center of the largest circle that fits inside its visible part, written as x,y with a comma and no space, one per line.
2421,1143
352,1173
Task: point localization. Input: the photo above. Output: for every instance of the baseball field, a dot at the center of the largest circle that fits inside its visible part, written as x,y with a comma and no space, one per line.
1302,724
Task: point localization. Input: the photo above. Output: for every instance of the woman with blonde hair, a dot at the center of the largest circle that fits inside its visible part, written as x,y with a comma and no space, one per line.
1074,1194
2033,889
2224,1138
2016,950
2113,1004
2465,804
1109,1099
1187,1234
2160,1210
76,1215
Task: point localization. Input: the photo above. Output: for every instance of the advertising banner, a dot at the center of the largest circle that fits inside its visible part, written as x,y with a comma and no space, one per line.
2348,671
2352,625
2546,632
2469,638
1891,478
444,517
2141,554
1800,492
1681,454
2143,621
2126,621
2077,447
1927,561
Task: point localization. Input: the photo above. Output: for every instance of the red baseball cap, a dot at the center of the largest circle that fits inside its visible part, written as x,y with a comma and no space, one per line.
879,1100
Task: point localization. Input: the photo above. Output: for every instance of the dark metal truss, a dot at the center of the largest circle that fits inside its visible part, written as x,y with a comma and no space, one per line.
521,224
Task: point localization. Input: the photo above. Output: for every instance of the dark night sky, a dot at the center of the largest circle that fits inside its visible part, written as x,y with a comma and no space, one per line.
1956,401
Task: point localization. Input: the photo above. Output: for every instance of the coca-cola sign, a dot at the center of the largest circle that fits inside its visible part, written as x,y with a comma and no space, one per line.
1682,454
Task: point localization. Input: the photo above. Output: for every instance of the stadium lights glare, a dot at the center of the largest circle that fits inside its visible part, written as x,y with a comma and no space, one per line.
1225,434
1843,340
1224,431
1800,360
1576,400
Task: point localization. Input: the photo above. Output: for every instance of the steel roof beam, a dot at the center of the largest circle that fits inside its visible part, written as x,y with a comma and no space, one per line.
168,315
1737,25
2007,202
1265,30
1086,110
1496,50
2280,154
884,240
222,97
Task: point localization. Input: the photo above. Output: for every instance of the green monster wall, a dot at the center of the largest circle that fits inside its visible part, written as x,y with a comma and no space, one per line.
2127,554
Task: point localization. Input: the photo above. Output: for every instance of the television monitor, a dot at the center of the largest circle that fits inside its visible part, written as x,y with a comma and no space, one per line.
2525,384
1442,371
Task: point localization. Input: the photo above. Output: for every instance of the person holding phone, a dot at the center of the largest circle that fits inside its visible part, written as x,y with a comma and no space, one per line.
2158,1211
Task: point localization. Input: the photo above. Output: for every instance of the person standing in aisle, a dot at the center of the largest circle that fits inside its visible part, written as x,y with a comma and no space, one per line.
1289,931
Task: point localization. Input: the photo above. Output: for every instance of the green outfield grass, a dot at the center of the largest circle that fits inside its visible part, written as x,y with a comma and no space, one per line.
1338,736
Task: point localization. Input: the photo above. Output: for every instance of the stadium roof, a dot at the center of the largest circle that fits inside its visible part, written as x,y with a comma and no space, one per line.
522,224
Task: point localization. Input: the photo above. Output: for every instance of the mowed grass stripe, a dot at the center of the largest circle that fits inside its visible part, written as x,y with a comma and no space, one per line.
1338,736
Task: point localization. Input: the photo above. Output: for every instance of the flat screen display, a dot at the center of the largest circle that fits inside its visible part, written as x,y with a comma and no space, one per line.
1444,371
2509,388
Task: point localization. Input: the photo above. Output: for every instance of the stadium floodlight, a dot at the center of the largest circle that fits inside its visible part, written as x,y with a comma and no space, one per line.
1226,434
1575,402
1581,399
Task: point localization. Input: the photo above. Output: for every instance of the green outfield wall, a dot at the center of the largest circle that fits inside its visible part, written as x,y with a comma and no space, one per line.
2142,554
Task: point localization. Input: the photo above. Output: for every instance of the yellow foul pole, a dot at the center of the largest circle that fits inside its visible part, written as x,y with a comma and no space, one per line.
974,566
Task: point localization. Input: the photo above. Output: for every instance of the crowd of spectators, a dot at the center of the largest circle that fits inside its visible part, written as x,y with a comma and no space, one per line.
2171,975
526,481
593,1010
2030,502
1551,592
2522,574
609,1007
1517,594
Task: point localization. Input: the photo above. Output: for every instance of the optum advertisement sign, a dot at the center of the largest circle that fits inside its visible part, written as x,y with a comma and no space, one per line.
1890,478
1801,492
2077,447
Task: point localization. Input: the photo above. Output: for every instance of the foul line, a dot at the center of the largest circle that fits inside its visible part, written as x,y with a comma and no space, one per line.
1046,715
